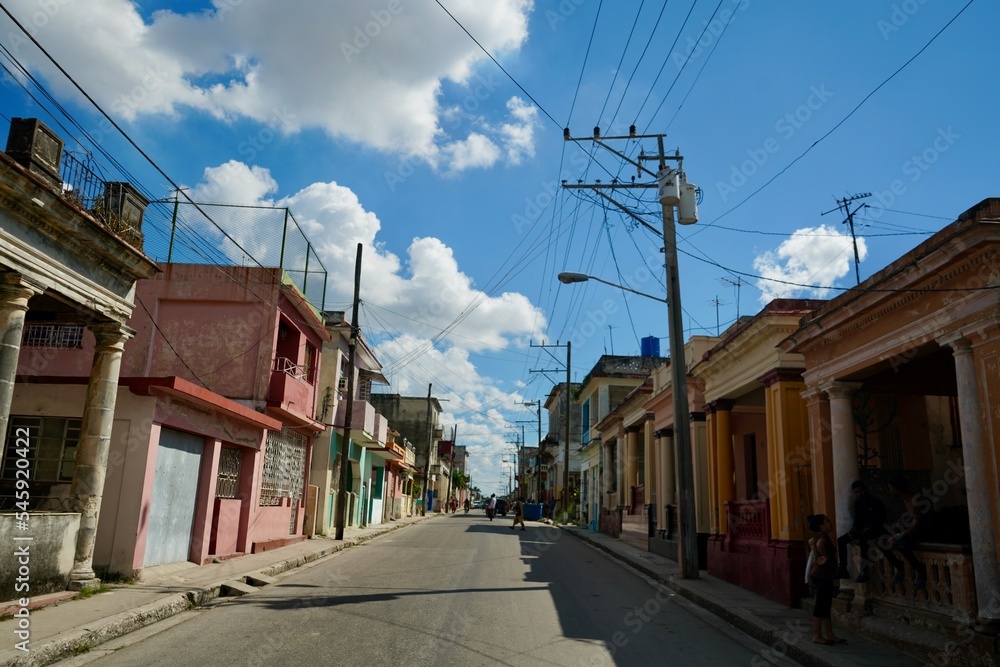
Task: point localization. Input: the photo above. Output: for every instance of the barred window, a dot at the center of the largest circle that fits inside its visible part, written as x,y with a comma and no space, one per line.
51,449
227,481
61,336
284,468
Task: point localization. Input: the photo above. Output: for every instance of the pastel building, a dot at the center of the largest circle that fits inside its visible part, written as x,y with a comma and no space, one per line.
214,419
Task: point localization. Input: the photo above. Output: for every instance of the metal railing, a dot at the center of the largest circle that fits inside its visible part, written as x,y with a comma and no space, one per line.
88,192
289,367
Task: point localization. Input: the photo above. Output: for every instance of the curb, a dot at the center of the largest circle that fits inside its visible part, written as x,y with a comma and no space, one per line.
742,620
77,641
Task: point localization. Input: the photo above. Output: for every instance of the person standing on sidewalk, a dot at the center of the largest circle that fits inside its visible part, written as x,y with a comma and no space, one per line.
518,514
822,574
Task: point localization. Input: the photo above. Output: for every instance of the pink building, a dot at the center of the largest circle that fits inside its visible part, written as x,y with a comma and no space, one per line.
209,453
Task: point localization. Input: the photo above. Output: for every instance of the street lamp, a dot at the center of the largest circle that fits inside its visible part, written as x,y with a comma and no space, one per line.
569,277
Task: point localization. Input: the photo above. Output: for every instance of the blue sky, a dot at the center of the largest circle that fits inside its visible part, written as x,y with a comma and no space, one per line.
384,123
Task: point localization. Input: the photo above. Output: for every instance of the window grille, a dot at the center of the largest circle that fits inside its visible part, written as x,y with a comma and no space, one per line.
284,467
60,336
52,447
227,481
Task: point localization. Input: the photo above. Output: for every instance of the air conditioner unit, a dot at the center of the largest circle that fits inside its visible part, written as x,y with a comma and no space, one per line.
544,467
342,384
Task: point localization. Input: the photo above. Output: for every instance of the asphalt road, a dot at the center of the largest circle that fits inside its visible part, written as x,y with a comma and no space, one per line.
458,590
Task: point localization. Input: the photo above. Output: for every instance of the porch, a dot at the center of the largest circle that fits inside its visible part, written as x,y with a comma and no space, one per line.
747,555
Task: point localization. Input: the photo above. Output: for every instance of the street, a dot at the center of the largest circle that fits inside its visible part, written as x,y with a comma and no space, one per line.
456,590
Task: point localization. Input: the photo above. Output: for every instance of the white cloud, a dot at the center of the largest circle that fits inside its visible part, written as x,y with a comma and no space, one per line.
425,295
811,256
519,136
359,71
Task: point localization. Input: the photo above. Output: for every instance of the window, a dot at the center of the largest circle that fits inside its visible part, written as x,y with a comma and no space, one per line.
284,467
59,336
52,447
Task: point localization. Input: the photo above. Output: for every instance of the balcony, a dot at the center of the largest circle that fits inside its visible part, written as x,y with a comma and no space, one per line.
289,392
117,206
363,415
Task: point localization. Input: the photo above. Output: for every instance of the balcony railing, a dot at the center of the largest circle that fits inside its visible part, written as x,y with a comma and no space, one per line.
950,589
289,367
749,520
118,206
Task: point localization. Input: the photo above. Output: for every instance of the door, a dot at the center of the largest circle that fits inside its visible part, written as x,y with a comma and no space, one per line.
175,491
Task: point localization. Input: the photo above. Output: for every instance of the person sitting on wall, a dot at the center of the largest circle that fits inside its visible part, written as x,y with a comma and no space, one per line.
906,531
869,526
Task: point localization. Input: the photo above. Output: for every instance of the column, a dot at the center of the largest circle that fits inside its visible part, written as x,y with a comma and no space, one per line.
699,459
632,462
651,467
710,470
14,294
95,442
669,467
844,446
977,482
786,435
725,484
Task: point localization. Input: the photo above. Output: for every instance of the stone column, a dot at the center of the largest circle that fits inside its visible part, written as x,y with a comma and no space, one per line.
844,449
14,294
977,482
95,443
669,467
724,459
711,427
632,462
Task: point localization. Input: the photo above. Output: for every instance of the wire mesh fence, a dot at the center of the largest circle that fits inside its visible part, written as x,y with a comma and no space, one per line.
244,235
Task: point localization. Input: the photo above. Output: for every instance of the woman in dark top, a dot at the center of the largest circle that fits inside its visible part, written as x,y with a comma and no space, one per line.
822,574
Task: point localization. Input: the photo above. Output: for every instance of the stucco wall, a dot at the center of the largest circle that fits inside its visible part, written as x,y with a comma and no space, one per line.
50,554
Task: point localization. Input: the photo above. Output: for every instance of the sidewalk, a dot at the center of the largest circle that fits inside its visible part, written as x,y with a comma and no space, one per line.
70,626
786,631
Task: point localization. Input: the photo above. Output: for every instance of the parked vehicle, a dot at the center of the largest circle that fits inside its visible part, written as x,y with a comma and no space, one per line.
501,507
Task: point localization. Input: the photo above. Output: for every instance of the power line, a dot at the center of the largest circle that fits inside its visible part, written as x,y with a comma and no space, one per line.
841,122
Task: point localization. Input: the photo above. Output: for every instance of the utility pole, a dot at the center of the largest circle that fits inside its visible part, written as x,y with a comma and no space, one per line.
345,450
427,461
673,190
569,389
451,463
538,405
845,206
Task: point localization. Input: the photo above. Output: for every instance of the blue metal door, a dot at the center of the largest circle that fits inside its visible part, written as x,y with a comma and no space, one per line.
175,491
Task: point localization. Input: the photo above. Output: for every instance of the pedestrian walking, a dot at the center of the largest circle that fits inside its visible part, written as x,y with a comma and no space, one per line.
822,574
491,506
518,514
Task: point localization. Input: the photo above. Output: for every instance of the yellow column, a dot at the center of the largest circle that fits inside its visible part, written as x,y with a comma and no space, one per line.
724,458
787,435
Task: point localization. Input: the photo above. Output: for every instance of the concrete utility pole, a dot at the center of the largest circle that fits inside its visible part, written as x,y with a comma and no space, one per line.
345,449
673,191
536,404
569,387
845,206
427,461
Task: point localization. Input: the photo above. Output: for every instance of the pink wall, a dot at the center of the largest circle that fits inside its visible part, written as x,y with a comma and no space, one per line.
225,526
271,523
